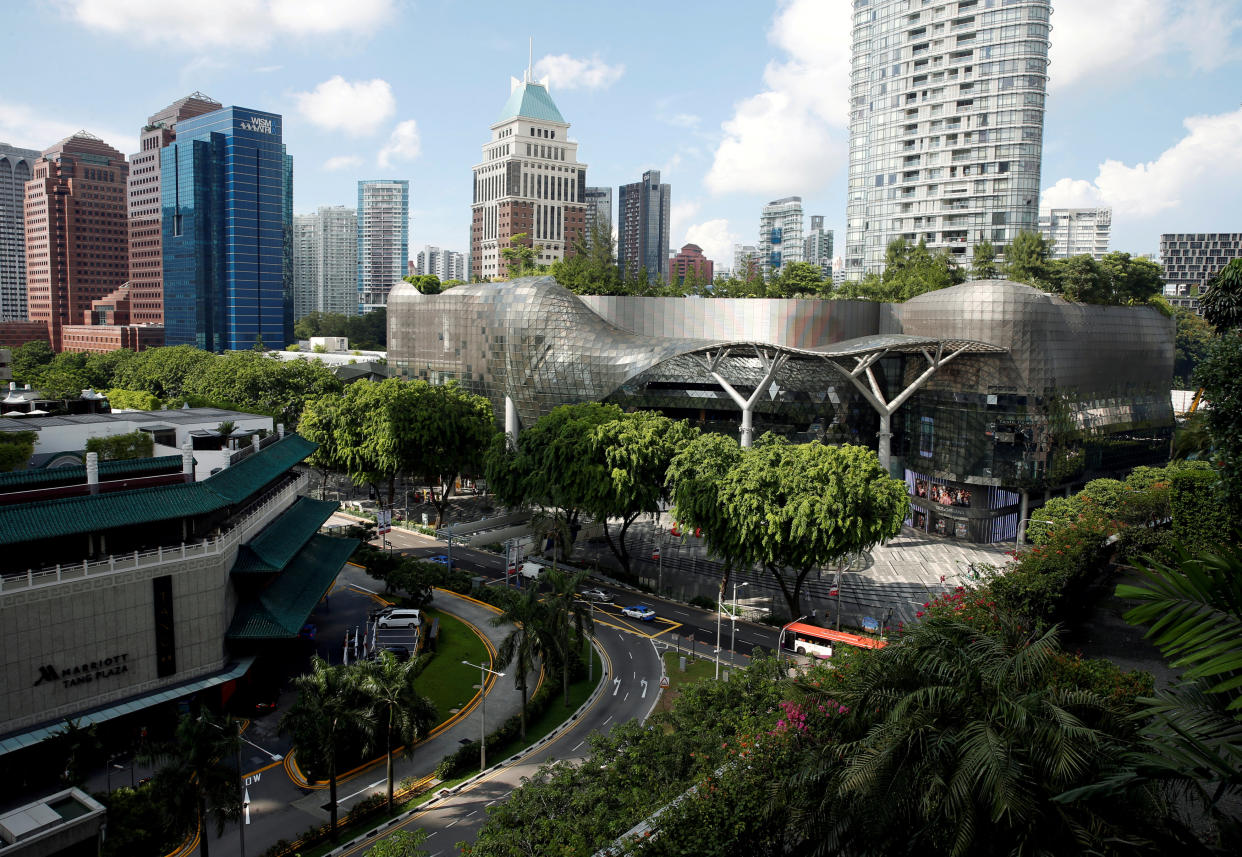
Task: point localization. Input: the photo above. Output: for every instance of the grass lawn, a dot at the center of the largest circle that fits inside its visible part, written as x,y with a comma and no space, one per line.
696,670
447,681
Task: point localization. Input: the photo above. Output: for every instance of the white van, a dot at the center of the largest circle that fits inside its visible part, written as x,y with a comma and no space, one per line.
531,570
400,618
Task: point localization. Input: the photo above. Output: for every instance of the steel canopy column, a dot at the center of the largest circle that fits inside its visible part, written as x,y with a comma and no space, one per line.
771,364
511,420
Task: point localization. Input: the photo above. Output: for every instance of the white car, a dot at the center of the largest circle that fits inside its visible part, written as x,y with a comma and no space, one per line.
639,611
599,596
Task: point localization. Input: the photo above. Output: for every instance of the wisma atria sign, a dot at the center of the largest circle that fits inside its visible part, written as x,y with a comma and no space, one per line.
258,124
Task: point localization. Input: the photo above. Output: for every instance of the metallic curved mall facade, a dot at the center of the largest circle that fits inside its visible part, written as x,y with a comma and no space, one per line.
1066,393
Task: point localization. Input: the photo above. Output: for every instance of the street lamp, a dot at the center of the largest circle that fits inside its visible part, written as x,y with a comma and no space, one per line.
733,626
241,777
1020,538
482,711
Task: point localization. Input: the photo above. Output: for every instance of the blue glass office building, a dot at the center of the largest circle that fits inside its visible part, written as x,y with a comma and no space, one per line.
227,195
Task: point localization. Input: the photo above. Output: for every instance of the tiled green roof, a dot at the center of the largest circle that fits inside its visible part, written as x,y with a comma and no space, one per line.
530,101
284,605
25,480
48,519
272,549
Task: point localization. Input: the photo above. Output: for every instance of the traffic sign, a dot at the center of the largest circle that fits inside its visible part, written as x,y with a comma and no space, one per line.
663,681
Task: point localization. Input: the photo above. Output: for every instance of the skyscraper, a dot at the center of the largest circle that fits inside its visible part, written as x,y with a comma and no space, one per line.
15,171
325,261
1077,231
599,213
226,199
1192,259
529,183
643,227
817,246
77,242
383,239
146,257
780,234
690,259
946,126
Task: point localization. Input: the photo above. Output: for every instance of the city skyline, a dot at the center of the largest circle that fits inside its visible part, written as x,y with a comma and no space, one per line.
1141,117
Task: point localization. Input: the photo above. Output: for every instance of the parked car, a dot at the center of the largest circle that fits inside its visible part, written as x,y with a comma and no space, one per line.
599,596
400,618
639,611
531,570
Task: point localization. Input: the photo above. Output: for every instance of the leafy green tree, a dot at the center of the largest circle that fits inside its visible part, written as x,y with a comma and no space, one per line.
567,613
332,705
983,263
1221,303
403,713
195,774
428,284
253,381
959,740
1133,280
553,465
373,432
521,256
135,400
16,447
369,331
909,270
1082,279
29,359
790,508
592,267
1220,376
120,447
798,279
1027,260
401,843
161,371
452,429
531,640
636,449
318,425
1192,341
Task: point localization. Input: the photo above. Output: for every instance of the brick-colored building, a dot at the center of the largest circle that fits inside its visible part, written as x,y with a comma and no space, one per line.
15,334
77,242
690,258
109,325
146,268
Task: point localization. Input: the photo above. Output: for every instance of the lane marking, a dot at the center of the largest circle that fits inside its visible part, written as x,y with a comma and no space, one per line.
627,696
451,823
631,654
606,722
471,812
576,746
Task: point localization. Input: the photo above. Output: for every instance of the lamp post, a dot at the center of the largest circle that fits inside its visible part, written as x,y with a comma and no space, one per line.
733,624
1020,538
241,778
780,640
483,671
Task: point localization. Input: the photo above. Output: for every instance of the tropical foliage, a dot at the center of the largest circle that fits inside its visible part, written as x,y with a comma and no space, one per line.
117,447
404,715
368,331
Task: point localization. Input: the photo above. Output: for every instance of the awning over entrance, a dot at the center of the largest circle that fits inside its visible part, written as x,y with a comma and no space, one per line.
20,740
282,607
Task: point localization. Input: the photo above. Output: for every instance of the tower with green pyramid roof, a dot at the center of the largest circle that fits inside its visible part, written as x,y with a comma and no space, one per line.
529,182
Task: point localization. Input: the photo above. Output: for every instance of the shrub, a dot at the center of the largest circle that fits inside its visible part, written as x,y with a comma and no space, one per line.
703,601
118,447
1098,675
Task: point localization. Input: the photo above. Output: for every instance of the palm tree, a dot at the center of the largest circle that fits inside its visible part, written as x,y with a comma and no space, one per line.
566,611
331,706
406,714
531,638
193,771
960,740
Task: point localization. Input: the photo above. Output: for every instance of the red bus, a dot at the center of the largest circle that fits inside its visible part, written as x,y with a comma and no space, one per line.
803,639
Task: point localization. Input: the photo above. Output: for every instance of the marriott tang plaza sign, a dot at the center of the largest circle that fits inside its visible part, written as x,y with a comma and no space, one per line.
86,673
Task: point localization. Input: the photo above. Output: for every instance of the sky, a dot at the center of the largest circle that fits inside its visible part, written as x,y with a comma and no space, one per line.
736,102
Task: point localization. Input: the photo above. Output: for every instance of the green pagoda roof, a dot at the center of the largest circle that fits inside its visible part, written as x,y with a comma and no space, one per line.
272,549
281,609
26,480
530,101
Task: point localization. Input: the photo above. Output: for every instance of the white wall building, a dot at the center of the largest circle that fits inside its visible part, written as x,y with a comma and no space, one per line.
817,246
325,261
383,239
1077,231
780,234
946,125
445,264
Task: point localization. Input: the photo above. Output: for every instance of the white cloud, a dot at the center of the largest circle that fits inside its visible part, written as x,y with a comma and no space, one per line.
1099,39
792,137
342,162
403,144
680,214
716,240
566,72
35,128
684,120
1199,178
267,69
357,108
238,24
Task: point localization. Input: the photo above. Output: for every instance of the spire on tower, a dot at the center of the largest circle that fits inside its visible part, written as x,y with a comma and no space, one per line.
530,62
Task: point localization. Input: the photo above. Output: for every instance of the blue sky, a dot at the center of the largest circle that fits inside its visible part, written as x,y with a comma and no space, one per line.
736,101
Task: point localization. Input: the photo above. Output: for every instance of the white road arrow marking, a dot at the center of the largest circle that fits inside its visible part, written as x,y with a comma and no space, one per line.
616,685
644,696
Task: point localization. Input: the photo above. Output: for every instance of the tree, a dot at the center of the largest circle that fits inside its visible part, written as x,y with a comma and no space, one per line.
452,429
1132,280
566,612
1221,303
253,381
318,425
909,270
161,371
798,279
591,269
961,740
373,430
1192,342
636,450
790,508
369,330
120,447
194,772
331,705
29,359
983,263
404,713
16,447
1026,260
428,284
400,843
1220,376
1081,279
133,400
531,639
521,256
